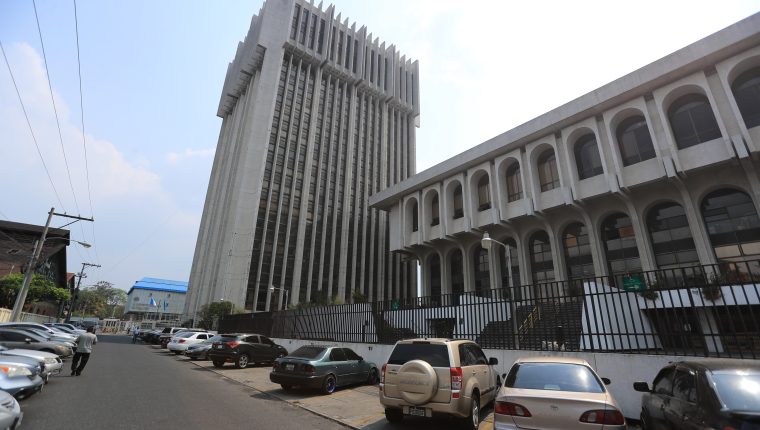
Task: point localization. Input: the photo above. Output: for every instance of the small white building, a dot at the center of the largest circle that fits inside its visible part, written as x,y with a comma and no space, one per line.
156,299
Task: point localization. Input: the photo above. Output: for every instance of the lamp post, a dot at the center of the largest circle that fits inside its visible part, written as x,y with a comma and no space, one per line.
272,288
486,242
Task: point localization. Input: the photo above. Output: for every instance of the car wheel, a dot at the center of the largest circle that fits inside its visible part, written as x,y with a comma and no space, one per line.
472,421
372,377
218,364
242,361
286,387
394,415
177,352
329,385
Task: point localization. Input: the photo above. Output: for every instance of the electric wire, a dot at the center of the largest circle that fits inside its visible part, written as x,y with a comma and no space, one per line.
31,130
55,109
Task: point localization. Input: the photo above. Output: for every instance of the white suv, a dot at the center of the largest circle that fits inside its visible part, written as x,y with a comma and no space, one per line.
427,377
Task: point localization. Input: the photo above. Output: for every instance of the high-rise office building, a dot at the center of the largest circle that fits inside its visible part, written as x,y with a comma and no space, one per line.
317,116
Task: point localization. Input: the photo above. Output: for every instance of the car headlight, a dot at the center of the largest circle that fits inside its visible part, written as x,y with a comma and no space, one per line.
12,371
50,360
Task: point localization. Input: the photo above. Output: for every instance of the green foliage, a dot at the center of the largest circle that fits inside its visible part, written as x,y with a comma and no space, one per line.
40,289
102,300
359,297
214,311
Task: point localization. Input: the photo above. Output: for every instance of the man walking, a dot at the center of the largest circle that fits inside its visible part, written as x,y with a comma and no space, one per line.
84,349
135,334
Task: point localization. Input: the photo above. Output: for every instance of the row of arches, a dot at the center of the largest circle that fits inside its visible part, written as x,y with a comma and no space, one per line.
729,216
691,121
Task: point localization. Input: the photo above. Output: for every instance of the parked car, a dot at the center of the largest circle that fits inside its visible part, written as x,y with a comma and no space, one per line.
52,362
150,336
68,328
242,349
49,338
167,333
19,380
12,338
10,412
555,392
199,351
48,330
183,339
426,377
322,367
701,395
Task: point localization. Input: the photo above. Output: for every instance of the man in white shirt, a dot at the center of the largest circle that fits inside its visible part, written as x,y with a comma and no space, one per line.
84,349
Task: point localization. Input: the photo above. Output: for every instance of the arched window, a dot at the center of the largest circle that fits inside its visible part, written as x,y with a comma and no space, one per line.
692,121
672,242
746,89
484,196
634,140
587,158
482,272
415,217
514,183
514,262
578,258
435,279
620,245
541,263
458,202
434,210
547,171
457,275
733,225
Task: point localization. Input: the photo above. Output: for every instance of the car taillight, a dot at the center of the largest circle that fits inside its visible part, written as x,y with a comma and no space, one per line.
181,341
456,382
232,344
509,408
308,368
382,374
602,416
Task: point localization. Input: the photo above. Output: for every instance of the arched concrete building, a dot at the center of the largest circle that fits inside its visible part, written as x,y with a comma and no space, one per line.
656,170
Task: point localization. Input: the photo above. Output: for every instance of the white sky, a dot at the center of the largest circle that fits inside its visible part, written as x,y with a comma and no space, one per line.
153,71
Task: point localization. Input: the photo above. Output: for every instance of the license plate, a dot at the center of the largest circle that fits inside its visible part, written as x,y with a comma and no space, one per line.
289,367
418,412
220,347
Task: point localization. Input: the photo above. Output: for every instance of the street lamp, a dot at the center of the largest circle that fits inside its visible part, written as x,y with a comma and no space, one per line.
272,288
21,297
486,242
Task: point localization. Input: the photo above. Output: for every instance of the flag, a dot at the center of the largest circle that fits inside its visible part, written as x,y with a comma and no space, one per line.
152,302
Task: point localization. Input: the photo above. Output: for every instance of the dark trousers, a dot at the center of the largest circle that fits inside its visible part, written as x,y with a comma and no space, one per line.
84,357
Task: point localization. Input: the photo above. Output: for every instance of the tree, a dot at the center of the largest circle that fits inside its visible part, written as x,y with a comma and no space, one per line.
40,289
101,300
214,311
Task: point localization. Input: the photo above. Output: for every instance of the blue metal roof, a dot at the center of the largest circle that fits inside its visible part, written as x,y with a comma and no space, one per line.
155,284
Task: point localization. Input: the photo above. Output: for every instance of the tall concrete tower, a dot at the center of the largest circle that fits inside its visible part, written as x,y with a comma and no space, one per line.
318,115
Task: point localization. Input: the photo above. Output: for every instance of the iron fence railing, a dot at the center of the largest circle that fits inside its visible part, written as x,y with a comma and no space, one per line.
707,310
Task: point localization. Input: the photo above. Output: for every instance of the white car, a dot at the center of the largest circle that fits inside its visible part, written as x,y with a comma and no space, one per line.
53,363
182,340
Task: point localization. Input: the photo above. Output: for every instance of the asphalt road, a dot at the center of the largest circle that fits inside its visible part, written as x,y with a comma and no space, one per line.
126,386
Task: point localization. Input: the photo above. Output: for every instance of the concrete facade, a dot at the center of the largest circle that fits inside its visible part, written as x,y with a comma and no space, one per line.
317,115
604,207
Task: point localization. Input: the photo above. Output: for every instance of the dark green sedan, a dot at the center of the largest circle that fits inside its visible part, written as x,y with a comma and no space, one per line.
323,367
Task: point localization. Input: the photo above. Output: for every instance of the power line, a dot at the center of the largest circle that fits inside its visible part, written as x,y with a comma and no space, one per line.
31,130
55,109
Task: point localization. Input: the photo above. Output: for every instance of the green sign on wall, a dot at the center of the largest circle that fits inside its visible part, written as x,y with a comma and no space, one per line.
633,283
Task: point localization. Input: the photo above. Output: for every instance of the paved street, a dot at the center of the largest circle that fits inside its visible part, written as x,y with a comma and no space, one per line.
129,386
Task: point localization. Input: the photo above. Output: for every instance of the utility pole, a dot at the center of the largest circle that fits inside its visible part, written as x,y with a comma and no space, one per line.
75,291
21,297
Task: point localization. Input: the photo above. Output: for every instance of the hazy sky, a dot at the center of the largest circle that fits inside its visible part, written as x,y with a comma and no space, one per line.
152,72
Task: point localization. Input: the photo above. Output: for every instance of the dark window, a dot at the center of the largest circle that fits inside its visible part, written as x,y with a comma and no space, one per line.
434,211
435,277
685,386
578,258
477,354
466,357
620,245
746,90
484,196
554,377
436,355
587,158
266,340
251,339
514,183
663,383
482,272
634,141
733,225
669,231
458,202
514,262
548,176
457,273
415,217
337,354
692,121
310,352
541,263
351,355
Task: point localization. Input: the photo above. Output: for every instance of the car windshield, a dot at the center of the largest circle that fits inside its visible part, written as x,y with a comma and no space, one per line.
310,352
436,355
738,390
39,333
185,334
554,376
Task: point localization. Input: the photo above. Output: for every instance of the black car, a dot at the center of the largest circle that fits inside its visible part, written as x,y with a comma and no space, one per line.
715,394
242,349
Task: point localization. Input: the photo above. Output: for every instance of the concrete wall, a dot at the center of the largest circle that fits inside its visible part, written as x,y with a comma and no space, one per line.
622,369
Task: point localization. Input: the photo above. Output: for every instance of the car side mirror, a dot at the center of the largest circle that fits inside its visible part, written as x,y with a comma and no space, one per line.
641,387
493,361
606,381
361,358
28,340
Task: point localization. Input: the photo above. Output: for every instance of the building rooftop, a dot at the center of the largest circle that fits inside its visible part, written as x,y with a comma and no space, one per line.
155,284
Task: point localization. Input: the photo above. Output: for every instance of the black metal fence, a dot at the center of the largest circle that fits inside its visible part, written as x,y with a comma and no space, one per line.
709,310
